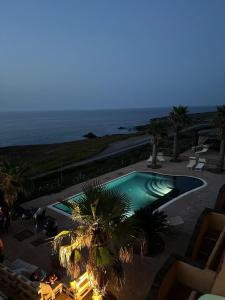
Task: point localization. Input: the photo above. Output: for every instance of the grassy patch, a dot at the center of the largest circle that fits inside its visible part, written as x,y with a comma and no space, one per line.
43,158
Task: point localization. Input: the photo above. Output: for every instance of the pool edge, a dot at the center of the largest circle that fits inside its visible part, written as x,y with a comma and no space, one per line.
161,207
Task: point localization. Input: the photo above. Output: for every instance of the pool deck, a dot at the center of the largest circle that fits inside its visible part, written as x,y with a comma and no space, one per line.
140,274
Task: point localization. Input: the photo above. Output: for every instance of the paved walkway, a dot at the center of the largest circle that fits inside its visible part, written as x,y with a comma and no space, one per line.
140,274
113,149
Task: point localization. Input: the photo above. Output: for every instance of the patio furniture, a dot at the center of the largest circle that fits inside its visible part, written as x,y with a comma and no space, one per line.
23,287
160,157
192,162
39,218
39,214
178,279
18,211
201,149
26,289
201,164
202,271
207,243
78,289
22,267
28,214
50,226
220,201
149,160
211,297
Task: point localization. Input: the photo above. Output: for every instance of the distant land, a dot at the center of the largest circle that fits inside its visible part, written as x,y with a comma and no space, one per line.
49,127
46,157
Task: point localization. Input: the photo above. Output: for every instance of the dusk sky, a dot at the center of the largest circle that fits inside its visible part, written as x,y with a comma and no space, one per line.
74,54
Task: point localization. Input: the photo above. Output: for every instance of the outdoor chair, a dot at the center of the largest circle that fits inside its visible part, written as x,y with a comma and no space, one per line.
40,213
50,226
201,164
207,243
28,214
18,211
22,267
149,160
220,201
192,162
160,157
201,149
178,279
39,217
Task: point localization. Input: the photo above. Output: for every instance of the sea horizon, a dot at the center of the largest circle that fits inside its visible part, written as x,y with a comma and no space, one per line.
105,109
57,126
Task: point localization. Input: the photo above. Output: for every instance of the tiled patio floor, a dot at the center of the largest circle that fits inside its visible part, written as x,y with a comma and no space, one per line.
140,274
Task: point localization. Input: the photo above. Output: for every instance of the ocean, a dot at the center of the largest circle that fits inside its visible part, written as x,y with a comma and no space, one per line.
46,127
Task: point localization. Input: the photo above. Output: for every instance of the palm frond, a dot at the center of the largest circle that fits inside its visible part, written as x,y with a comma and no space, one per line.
102,238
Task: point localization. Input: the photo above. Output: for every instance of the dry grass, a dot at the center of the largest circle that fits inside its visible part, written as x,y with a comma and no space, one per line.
42,158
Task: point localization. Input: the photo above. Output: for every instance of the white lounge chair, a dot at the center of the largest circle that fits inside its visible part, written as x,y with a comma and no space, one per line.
201,164
192,162
203,149
149,160
160,157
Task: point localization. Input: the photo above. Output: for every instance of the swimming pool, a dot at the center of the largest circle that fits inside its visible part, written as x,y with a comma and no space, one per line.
144,189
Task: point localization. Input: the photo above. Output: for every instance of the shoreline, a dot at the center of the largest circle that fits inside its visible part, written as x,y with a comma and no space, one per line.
137,129
46,158
55,167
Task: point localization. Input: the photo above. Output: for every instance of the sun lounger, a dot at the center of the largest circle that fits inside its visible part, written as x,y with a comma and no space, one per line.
201,164
192,162
149,160
160,157
203,149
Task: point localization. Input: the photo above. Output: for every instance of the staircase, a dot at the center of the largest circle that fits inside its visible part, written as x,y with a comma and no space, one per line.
158,188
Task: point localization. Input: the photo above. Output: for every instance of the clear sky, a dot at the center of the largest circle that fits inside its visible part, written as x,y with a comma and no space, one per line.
80,54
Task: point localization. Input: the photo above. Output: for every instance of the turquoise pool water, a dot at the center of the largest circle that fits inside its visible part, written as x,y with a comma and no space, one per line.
145,188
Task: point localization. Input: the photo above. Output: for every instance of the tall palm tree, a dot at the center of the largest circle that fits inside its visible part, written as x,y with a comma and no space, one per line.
102,238
13,181
220,125
157,129
179,119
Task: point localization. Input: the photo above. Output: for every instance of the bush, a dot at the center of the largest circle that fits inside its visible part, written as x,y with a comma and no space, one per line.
152,225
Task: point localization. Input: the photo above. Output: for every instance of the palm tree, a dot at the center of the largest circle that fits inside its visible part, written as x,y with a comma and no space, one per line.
179,119
152,223
13,181
220,124
102,238
157,129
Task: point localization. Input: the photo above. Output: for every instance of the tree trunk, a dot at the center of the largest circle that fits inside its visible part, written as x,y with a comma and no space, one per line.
10,200
154,154
175,145
221,156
